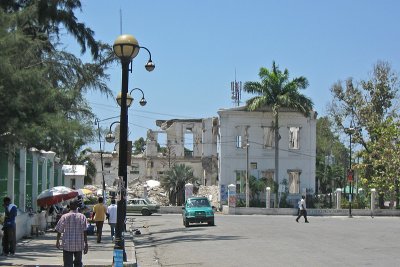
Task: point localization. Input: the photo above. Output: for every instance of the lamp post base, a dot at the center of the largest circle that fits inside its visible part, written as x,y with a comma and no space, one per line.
119,251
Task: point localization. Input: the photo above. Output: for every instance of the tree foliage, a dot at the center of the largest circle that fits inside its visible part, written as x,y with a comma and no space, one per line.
371,107
174,182
42,87
332,158
275,91
139,146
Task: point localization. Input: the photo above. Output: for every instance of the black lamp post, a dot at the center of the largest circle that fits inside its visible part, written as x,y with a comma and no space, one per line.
350,173
97,122
125,47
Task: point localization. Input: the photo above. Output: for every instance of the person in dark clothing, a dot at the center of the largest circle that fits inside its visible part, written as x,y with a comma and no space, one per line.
9,227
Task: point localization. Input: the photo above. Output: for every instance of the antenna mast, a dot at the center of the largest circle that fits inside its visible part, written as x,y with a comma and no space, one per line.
236,90
120,21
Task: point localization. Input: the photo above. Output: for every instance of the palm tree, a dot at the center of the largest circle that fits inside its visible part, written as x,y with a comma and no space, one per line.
174,182
275,91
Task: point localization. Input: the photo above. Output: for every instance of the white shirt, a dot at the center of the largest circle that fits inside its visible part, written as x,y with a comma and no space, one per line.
112,212
302,203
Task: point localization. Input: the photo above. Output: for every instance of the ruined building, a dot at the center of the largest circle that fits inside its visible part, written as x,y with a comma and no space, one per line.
192,142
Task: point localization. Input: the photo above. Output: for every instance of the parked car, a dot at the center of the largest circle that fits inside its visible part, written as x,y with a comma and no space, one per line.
142,205
197,210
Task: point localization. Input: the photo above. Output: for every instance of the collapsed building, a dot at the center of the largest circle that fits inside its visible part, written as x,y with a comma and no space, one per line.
192,142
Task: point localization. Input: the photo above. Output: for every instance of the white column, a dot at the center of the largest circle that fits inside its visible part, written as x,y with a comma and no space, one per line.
231,196
10,175
268,197
35,171
145,191
373,195
338,198
188,190
22,179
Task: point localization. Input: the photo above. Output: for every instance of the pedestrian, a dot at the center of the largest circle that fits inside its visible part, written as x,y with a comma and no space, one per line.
303,210
9,240
72,226
99,216
112,216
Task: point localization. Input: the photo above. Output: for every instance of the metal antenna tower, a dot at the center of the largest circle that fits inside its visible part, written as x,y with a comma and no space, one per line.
236,90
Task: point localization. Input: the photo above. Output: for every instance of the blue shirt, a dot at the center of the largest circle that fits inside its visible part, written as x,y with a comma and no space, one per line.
10,214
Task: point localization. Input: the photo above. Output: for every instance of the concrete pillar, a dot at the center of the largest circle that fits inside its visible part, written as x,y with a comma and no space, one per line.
338,198
10,175
145,191
268,197
35,171
231,196
373,195
188,191
22,179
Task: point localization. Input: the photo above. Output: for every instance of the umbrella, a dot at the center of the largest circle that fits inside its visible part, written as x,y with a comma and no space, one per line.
84,191
55,195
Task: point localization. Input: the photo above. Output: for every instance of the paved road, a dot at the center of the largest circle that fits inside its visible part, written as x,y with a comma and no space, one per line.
258,240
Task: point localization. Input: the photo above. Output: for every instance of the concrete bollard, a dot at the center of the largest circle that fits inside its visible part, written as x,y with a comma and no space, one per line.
231,196
338,198
373,195
268,197
188,190
145,191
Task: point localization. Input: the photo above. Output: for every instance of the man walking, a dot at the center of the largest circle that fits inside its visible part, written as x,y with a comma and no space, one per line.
99,216
303,210
112,216
72,226
9,227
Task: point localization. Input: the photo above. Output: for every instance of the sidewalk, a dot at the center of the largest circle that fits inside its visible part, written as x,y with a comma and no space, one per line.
41,251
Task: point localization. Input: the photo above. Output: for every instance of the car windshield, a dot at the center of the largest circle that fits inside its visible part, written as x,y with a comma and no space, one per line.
198,203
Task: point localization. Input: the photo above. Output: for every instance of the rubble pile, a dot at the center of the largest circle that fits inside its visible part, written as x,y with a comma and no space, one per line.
157,194
211,192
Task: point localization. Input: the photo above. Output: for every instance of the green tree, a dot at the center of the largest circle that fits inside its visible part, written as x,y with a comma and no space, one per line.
275,91
384,159
367,107
332,157
139,146
174,182
42,88
256,186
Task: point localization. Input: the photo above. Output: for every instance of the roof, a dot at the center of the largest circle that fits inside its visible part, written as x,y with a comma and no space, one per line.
74,170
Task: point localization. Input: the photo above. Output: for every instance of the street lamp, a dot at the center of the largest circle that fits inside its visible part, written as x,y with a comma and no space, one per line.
97,121
110,137
247,173
125,47
350,173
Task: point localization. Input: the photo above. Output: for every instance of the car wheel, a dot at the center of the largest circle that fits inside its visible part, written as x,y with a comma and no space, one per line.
146,213
211,223
186,223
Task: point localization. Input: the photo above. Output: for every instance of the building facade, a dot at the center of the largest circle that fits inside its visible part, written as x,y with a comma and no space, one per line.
246,143
192,142
25,173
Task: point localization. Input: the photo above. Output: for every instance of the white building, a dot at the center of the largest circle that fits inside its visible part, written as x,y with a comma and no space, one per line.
297,149
74,175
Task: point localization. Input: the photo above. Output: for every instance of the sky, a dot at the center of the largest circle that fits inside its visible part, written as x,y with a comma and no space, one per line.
200,47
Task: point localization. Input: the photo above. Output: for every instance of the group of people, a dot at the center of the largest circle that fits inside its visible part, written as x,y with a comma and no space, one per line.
72,228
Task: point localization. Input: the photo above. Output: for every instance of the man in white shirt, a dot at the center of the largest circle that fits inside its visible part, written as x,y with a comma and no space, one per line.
303,210
112,216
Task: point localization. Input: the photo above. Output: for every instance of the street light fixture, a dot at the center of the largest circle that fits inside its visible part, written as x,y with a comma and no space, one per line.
97,122
125,47
110,137
130,99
